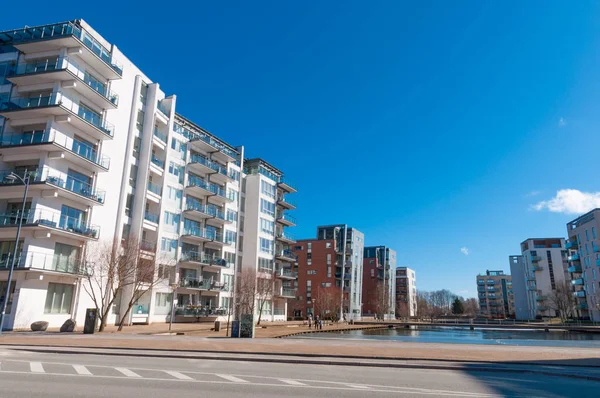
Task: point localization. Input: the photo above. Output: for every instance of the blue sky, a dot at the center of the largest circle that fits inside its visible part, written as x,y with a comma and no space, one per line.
429,128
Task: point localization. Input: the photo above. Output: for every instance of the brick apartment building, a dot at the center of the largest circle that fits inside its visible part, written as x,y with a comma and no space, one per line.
379,282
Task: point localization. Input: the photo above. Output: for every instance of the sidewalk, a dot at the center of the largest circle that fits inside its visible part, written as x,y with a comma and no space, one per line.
313,347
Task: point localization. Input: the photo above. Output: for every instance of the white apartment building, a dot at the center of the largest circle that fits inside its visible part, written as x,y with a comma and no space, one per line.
406,292
584,263
266,242
545,267
108,158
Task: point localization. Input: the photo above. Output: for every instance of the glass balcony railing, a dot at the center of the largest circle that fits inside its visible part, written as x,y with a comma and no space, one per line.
154,188
66,63
147,245
598,262
286,217
194,158
47,262
578,281
286,236
211,210
195,283
571,244
201,257
56,99
201,183
575,268
152,217
286,254
580,293
52,220
80,148
158,162
160,136
161,107
54,31
196,231
194,136
288,292
284,181
573,257
287,199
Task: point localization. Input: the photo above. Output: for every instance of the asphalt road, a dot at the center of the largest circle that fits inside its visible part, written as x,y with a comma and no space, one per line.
24,374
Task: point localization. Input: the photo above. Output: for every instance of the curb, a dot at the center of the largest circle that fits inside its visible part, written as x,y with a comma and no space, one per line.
479,367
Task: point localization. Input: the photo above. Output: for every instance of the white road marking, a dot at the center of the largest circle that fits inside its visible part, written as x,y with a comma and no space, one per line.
36,367
178,375
82,370
357,386
127,372
232,378
292,382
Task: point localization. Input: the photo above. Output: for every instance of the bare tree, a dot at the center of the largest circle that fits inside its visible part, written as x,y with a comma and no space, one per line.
326,302
380,300
402,309
562,301
245,295
265,288
471,306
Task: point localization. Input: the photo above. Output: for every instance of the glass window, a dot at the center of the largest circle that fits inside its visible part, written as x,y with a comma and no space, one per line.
71,218
177,171
10,296
175,195
267,207
230,237
266,245
267,226
172,221
594,232
587,235
232,215
66,257
267,189
58,298
168,245
143,93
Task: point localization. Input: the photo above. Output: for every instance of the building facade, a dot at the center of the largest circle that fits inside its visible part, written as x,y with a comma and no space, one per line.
329,272
379,282
110,160
584,264
495,294
406,292
545,269
518,273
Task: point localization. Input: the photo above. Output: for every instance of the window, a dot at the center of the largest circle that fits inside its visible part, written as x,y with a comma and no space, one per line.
178,146
133,175
139,122
311,272
266,245
232,215
177,171
230,237
128,205
175,195
594,232
58,298
66,257
168,245
234,174
267,189
267,226
328,245
233,195
163,299
267,207
172,221
143,93
325,284
587,235
71,218
166,271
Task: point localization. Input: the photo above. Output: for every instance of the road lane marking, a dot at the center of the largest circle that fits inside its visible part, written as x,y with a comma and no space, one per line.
178,375
357,386
36,367
232,378
127,372
292,382
82,370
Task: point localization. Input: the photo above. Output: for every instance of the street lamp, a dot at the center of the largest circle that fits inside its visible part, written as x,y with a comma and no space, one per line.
25,181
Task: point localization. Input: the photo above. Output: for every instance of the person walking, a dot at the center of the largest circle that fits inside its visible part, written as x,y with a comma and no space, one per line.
310,321
317,320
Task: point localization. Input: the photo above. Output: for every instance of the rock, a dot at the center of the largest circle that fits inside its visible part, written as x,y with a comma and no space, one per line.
68,326
39,326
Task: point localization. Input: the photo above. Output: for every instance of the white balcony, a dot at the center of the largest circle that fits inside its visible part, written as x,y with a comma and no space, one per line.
46,223
200,259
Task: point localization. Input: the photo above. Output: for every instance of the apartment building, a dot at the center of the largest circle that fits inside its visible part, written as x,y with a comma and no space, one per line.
495,294
378,282
518,273
109,159
584,263
406,292
545,269
329,270
266,241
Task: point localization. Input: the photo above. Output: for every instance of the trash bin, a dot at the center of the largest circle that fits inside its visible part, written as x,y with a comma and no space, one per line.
351,322
217,326
91,316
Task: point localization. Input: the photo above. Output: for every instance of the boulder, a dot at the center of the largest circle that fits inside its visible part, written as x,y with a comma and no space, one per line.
68,326
39,326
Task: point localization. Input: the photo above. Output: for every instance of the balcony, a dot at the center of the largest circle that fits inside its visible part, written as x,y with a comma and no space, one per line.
151,217
148,246
45,223
217,240
286,219
198,212
286,255
285,237
60,106
64,35
200,188
46,262
196,235
201,165
535,259
540,297
284,273
596,248
286,293
75,151
573,257
154,188
161,136
65,70
571,244
195,283
157,162
162,109
582,306
286,186
209,263
580,293
578,282
575,268
285,202
537,268
206,143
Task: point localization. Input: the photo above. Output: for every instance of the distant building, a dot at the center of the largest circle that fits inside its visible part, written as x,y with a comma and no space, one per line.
495,294
544,268
584,262
406,292
378,282
518,267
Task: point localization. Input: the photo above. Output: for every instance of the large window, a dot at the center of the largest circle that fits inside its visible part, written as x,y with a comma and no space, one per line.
58,298
163,303
267,189
177,171
168,245
265,264
179,147
172,221
267,226
71,218
175,195
66,257
230,237
267,207
266,245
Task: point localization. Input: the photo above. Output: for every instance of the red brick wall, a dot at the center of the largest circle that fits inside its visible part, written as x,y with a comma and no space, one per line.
369,286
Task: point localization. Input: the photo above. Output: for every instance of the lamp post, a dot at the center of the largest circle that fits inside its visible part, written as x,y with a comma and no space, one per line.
24,181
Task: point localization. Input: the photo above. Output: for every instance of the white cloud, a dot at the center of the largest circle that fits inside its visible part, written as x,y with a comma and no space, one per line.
562,122
464,251
532,193
570,201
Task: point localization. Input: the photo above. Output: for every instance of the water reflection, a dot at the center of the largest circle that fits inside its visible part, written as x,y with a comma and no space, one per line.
466,336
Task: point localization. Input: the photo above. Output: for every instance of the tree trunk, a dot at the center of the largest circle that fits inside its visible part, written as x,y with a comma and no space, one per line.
262,302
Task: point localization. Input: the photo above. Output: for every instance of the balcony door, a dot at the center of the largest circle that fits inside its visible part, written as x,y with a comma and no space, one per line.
66,257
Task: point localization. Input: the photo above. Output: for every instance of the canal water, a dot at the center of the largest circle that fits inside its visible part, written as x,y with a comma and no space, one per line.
465,336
